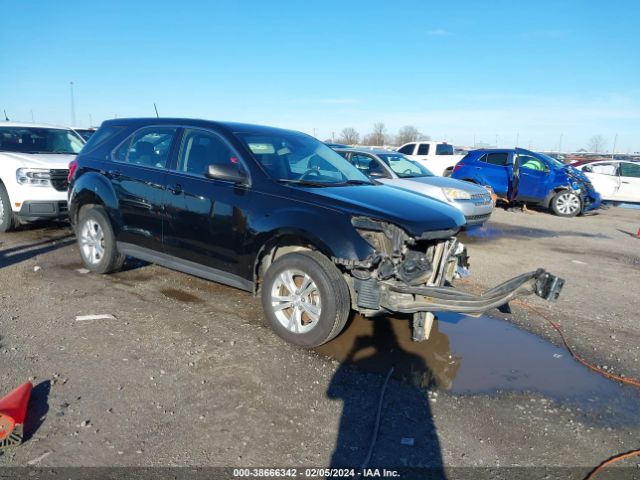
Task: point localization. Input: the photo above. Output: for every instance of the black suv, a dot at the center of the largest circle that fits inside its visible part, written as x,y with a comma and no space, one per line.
274,212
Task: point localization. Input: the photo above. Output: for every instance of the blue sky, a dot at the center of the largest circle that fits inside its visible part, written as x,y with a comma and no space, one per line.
459,70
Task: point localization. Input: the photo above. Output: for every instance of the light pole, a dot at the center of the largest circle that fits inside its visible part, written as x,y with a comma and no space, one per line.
73,106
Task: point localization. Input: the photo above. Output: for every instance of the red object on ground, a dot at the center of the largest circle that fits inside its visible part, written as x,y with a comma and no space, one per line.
15,404
13,411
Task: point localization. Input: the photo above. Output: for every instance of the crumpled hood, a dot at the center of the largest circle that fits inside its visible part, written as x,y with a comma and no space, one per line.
39,160
575,173
413,212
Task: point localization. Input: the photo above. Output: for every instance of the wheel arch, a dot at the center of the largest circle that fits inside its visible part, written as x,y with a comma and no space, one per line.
280,243
93,189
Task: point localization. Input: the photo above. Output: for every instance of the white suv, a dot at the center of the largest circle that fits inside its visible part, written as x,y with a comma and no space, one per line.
34,166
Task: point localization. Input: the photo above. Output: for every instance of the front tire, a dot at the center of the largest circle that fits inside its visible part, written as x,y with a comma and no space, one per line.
305,298
566,204
8,220
97,241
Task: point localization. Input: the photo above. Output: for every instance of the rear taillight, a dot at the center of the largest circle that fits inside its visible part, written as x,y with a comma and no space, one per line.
73,165
458,166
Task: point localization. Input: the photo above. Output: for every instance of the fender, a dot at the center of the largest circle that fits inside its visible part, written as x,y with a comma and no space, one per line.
93,188
333,235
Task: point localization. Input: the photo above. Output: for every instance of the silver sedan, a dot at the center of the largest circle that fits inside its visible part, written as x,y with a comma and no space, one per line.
395,169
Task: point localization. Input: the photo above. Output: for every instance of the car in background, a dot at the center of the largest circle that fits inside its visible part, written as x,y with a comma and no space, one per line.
336,145
85,133
397,170
34,168
277,213
543,180
615,180
438,157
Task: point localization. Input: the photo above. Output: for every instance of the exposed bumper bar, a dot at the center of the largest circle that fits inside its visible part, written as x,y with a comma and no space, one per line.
449,299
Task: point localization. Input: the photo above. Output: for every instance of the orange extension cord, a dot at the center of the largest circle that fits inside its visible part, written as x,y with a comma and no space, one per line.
628,381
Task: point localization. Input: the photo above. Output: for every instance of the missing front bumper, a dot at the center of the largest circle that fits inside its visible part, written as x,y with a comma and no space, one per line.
406,299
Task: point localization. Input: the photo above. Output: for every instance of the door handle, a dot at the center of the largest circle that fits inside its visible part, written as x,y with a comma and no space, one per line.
624,182
115,173
176,189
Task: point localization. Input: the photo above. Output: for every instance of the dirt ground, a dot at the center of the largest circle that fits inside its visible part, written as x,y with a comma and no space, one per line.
187,373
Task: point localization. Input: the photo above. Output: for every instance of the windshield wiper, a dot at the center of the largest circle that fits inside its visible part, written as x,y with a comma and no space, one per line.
303,182
353,182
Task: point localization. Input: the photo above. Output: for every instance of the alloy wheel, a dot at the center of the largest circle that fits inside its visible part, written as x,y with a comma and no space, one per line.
92,241
296,302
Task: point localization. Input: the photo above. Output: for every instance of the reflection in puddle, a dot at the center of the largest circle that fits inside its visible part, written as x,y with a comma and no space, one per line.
493,230
467,355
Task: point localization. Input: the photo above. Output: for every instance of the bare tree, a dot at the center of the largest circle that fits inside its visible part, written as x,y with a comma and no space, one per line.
349,136
407,134
379,132
596,143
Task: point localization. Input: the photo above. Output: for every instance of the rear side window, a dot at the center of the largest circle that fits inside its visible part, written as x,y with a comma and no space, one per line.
444,149
149,147
408,149
423,149
101,136
500,158
630,170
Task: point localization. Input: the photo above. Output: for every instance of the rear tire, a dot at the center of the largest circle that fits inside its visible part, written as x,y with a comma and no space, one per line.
8,220
305,298
97,241
566,204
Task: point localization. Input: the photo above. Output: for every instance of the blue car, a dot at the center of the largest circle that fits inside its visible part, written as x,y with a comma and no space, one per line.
543,180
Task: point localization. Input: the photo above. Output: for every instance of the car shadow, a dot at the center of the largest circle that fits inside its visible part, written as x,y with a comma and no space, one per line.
20,253
37,409
407,436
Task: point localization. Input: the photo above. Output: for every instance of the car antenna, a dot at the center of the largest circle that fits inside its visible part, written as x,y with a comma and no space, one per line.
6,119
154,106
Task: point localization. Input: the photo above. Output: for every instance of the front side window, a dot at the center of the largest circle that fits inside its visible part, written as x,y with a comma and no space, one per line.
149,147
423,149
297,158
404,167
498,158
444,149
40,140
602,169
368,165
531,163
201,149
407,149
630,170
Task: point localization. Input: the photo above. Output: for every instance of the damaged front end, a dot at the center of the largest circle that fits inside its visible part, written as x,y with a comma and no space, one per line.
413,275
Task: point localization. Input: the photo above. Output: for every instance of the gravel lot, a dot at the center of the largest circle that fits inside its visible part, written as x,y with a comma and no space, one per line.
188,373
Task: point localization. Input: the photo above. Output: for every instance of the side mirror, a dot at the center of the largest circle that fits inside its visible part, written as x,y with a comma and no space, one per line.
227,172
377,174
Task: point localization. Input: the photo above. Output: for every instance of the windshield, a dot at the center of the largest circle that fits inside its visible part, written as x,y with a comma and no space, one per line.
39,140
404,167
551,160
297,158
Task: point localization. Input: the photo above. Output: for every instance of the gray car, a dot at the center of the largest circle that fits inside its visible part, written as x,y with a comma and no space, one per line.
397,170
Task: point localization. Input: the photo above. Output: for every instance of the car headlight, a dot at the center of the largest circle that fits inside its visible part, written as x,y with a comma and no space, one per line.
453,194
34,177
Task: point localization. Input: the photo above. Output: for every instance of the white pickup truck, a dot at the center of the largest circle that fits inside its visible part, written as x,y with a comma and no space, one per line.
438,157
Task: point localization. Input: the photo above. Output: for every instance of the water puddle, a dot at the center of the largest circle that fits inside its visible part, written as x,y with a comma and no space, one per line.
180,295
484,355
